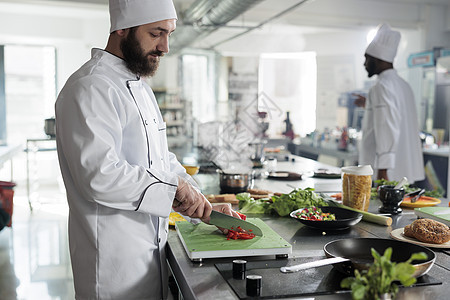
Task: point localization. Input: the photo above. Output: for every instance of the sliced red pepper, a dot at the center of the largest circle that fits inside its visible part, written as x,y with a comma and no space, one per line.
245,236
239,234
242,216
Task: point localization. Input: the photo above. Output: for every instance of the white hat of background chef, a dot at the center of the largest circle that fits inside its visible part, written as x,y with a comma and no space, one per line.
129,13
385,43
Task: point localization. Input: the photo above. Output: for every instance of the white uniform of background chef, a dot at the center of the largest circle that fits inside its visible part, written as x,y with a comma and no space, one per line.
120,178
390,141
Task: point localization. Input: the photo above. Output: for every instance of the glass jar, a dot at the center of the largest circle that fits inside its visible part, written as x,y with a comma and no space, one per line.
271,164
357,186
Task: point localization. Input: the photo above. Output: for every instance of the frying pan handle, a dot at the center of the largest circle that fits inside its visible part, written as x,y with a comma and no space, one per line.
313,264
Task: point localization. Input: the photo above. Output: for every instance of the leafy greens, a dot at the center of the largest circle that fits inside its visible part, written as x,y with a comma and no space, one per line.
282,205
380,277
437,193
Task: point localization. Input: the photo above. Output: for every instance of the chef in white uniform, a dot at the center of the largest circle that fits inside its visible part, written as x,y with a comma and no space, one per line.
120,178
390,141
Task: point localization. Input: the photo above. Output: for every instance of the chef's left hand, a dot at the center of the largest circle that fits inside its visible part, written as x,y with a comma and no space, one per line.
382,174
360,100
224,208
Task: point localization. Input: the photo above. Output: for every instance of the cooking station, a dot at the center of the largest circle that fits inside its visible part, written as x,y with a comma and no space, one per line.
210,278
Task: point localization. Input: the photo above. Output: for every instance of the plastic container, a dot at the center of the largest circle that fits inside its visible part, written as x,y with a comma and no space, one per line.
6,198
357,186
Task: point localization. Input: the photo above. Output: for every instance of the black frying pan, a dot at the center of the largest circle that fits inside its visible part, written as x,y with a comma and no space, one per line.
358,250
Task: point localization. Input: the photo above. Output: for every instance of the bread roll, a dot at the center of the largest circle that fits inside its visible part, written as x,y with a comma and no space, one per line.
428,231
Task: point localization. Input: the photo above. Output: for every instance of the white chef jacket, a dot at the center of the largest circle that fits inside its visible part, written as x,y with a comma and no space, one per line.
120,180
390,129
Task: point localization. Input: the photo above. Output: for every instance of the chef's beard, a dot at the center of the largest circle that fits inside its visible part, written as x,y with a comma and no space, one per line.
371,67
137,62
369,73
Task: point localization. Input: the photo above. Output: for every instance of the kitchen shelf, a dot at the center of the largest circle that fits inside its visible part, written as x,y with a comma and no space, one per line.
172,106
33,146
175,114
175,123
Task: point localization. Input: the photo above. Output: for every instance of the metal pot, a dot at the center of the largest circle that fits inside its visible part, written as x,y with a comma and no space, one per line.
50,127
235,182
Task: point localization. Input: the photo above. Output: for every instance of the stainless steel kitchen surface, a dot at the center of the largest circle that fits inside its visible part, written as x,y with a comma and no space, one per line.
207,279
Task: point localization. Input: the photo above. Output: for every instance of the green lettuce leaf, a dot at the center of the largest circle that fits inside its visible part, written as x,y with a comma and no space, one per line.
282,205
249,205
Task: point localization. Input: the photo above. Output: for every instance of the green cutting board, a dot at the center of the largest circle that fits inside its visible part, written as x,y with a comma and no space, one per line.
440,214
206,241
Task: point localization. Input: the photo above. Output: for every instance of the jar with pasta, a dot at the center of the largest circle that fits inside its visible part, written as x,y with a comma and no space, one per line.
356,186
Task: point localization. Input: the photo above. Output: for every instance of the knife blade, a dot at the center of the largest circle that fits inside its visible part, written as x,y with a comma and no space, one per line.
229,222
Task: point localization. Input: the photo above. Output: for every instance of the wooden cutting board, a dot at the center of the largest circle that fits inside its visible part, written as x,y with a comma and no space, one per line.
206,241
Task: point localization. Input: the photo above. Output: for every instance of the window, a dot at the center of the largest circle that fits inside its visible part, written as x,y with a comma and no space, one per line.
29,98
30,89
288,82
198,84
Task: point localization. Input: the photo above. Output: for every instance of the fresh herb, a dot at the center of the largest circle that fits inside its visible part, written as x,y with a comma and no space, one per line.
408,189
380,277
282,205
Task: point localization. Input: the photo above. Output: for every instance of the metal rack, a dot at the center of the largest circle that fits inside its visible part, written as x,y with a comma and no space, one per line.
33,146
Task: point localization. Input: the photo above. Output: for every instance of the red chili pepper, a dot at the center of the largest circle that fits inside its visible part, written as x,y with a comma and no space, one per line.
242,216
239,234
245,236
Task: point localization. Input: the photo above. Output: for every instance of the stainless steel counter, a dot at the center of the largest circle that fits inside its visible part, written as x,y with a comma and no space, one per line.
209,183
442,151
7,153
341,156
203,280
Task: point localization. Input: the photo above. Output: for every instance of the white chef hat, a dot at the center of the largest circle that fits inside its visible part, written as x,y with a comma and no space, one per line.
129,13
385,43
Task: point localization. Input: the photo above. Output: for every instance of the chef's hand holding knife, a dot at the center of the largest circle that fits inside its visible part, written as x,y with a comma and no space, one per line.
190,202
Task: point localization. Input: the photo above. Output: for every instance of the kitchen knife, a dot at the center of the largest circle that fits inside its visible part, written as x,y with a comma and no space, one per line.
229,222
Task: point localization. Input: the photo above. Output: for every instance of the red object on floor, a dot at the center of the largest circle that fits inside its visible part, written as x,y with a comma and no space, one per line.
6,198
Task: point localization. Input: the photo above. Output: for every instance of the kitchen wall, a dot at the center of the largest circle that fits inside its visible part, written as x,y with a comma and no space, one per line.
340,58
74,31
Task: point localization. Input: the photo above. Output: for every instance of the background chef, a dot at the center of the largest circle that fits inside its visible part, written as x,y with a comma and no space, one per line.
120,178
390,141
